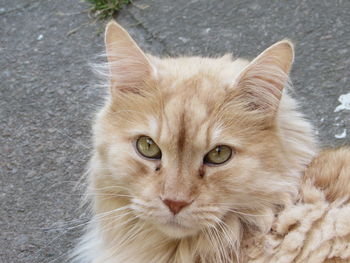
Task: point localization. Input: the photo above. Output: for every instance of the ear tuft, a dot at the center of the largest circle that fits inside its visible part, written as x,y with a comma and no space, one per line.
128,66
261,83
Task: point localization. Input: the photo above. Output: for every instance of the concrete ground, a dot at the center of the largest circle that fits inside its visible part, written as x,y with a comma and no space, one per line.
48,95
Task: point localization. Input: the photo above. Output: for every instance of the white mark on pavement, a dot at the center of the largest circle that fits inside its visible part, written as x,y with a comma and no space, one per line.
183,39
341,135
40,37
344,102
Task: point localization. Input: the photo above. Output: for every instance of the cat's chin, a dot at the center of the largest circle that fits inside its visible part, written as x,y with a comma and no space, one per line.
175,230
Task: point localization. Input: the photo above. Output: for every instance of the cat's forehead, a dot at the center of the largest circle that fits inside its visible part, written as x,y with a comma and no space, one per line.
193,90
184,127
189,111
223,70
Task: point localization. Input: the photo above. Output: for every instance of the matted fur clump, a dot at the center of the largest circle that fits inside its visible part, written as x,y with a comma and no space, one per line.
317,228
192,155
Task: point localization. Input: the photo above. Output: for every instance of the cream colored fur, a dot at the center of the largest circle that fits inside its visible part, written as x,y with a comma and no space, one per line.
315,229
187,106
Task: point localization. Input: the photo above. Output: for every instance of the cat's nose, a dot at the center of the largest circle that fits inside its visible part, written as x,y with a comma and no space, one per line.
175,206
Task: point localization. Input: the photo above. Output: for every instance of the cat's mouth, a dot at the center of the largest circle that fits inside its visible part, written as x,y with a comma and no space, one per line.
175,229
175,224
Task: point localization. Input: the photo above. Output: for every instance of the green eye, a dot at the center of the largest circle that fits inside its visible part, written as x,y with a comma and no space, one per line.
147,148
218,155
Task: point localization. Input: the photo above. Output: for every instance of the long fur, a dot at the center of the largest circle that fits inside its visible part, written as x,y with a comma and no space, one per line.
187,106
316,228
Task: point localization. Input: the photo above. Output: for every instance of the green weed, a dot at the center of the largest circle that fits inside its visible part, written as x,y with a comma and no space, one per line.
104,9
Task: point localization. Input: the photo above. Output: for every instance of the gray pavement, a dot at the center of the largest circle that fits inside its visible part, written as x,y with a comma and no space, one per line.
48,94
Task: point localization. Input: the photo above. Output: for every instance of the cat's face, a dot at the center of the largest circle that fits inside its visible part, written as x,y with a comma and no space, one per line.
192,143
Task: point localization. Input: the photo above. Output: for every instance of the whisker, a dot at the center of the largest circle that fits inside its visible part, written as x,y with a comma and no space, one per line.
72,222
74,140
92,194
108,187
227,208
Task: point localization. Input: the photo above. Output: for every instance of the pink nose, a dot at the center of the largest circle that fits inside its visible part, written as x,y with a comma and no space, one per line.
175,206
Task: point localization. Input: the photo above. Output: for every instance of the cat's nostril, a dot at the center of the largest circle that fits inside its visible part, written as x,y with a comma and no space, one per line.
175,206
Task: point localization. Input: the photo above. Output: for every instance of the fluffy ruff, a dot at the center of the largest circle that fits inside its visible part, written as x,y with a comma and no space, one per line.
315,229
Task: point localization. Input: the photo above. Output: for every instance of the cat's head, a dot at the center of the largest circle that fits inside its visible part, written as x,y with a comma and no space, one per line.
189,143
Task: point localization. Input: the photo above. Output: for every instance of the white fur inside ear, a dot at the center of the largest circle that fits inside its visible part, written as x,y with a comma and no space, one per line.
262,81
129,67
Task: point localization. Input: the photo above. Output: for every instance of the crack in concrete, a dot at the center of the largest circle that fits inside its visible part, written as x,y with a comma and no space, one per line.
144,28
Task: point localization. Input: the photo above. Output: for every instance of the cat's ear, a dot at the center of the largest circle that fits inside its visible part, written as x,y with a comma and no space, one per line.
261,83
129,67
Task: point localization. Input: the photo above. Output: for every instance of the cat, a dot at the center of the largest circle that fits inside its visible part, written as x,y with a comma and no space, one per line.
191,154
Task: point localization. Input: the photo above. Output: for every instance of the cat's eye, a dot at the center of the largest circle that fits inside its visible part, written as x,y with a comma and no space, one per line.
218,155
148,148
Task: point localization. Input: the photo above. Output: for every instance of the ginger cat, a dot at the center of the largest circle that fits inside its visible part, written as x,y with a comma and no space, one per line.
191,154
